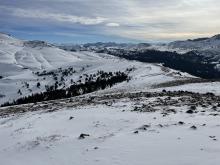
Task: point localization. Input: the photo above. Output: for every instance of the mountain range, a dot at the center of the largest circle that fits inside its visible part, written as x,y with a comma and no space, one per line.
30,67
206,49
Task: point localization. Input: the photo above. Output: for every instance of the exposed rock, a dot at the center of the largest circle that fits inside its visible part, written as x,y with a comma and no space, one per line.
82,136
193,127
71,117
144,127
181,123
190,111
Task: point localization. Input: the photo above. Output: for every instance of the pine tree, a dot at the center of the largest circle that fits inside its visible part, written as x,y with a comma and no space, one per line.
38,84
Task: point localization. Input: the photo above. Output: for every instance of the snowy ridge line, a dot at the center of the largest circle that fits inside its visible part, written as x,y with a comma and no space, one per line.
91,99
113,131
184,82
17,75
22,61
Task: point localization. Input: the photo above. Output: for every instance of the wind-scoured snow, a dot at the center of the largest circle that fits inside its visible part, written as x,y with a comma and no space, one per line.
32,55
213,87
117,130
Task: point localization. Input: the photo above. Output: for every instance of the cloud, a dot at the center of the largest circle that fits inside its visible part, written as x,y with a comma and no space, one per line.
112,24
59,17
139,20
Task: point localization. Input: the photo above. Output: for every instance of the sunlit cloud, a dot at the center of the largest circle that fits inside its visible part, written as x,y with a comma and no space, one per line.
112,24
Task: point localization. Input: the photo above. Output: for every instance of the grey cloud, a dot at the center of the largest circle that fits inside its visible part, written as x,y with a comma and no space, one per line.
38,14
135,19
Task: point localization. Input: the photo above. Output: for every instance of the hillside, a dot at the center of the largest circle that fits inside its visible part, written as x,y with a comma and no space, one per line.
29,67
209,48
123,128
199,57
197,44
83,107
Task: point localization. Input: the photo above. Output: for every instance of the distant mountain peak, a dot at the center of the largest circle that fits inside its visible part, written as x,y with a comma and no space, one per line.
198,39
217,37
4,35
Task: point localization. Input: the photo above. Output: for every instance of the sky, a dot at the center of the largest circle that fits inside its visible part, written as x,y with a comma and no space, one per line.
82,21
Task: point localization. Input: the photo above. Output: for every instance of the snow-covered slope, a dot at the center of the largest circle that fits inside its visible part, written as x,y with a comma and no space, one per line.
125,124
198,44
31,54
21,61
131,129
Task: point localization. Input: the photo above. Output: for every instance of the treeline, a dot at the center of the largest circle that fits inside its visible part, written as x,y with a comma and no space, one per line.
103,81
64,72
190,62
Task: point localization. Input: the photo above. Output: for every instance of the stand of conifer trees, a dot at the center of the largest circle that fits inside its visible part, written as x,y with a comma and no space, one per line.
103,81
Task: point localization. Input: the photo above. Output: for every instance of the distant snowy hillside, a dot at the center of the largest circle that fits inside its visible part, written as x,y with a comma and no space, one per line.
198,44
29,67
31,54
107,45
208,48
199,57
